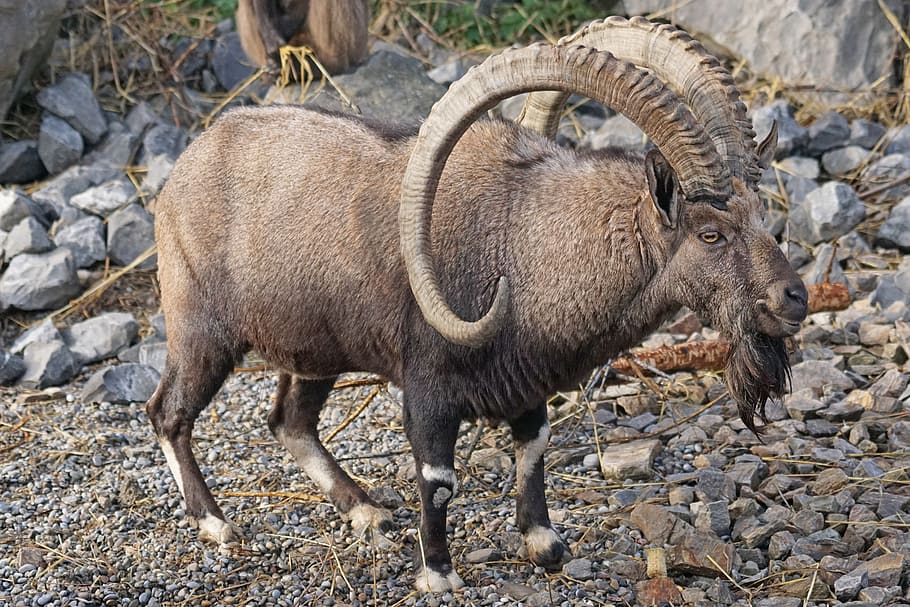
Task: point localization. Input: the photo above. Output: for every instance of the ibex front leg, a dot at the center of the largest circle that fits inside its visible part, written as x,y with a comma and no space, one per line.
531,432
432,434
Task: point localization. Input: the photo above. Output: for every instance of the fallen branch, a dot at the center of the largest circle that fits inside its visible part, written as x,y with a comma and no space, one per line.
712,355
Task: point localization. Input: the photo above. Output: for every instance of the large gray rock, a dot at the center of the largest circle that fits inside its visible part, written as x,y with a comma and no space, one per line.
865,133
817,374
101,337
893,287
895,232
59,144
14,207
125,383
54,196
826,44
389,87
888,169
39,282
130,232
85,238
72,99
12,368
106,198
841,161
830,131
28,236
47,364
230,63
27,34
827,212
161,146
616,131
791,136
43,333
20,163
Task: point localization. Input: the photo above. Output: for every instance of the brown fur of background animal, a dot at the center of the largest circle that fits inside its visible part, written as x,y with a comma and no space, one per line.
336,30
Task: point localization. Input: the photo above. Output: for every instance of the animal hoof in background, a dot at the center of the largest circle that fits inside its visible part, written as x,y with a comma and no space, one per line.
429,580
368,516
214,529
546,548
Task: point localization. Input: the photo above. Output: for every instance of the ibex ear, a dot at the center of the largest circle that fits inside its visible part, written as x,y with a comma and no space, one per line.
663,187
767,147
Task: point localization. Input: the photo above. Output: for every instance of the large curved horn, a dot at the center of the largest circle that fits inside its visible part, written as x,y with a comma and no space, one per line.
599,75
685,66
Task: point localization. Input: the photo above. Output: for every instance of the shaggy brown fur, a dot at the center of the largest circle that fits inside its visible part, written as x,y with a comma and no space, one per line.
336,30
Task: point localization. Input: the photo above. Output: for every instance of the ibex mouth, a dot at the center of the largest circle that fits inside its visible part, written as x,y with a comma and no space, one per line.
773,324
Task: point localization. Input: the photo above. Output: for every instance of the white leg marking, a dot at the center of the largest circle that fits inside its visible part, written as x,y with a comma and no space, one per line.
306,450
441,497
539,540
364,516
528,454
428,580
439,474
172,463
214,529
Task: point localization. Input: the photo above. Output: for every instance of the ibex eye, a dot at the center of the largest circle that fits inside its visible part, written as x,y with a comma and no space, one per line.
710,237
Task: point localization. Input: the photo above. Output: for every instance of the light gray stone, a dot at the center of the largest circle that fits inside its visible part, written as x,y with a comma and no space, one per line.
118,147
841,161
27,34
20,163
12,368
72,99
28,236
827,213
816,374
85,238
631,460
123,383
791,136
899,140
39,281
895,232
47,364
106,198
822,267
59,144
825,45
101,337
130,232
800,166
798,188
616,131
14,207
448,72
43,333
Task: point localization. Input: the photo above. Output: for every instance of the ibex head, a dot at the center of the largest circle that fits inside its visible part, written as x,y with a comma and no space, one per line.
716,257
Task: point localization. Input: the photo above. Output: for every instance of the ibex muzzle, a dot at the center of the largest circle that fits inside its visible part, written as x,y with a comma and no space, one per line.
279,231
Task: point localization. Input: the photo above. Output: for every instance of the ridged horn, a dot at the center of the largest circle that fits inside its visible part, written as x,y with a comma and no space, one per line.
640,96
684,65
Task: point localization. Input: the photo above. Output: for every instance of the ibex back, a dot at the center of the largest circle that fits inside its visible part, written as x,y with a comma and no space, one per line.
279,231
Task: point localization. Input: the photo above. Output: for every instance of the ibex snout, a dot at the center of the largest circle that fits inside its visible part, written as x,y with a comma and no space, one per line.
785,308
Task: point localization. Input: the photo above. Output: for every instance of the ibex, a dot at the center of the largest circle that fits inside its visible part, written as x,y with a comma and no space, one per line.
336,30
279,231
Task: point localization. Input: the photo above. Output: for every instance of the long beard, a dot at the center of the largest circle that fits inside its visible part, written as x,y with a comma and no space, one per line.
758,368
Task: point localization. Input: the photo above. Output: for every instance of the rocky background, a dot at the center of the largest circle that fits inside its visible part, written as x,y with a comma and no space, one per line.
100,98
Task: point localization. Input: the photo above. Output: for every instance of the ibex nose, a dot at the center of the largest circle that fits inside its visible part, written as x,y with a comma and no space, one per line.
795,302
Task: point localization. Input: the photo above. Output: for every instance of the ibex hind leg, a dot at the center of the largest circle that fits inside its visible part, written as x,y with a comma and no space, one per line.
194,373
294,421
